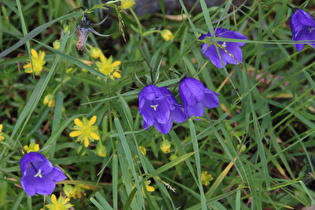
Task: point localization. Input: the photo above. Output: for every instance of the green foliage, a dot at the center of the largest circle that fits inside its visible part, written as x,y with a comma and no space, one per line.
258,144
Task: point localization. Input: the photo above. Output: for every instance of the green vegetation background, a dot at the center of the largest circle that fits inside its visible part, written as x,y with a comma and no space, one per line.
267,109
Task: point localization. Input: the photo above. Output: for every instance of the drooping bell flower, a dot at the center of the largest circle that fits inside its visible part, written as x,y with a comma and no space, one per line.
303,28
159,108
196,96
229,52
39,175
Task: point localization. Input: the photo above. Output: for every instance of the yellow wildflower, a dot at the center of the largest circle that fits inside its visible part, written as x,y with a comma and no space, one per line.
165,146
73,192
33,147
127,4
84,130
69,70
142,150
60,204
206,178
100,149
95,52
49,100
148,187
1,136
56,44
167,34
37,63
108,67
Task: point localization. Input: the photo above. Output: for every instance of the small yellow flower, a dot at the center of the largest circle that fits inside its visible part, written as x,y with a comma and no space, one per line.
167,34
165,146
95,52
69,70
33,147
37,63
73,192
127,4
100,149
1,136
108,67
206,178
148,187
142,150
49,100
85,131
56,44
60,204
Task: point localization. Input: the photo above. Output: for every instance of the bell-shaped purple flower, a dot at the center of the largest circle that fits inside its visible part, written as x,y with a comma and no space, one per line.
229,52
39,175
303,28
195,96
159,108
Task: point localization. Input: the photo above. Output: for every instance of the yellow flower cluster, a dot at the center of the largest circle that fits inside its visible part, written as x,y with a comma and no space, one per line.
142,150
85,131
36,64
49,100
206,178
165,146
61,204
1,136
167,34
127,4
108,67
75,191
105,65
33,147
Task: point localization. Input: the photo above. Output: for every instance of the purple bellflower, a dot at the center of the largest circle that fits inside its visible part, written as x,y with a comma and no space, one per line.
39,175
159,108
303,28
229,53
195,96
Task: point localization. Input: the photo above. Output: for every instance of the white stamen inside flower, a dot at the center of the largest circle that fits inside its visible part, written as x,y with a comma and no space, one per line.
224,44
154,106
310,29
39,174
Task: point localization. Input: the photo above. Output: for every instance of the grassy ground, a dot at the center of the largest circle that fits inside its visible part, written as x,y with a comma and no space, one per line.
258,145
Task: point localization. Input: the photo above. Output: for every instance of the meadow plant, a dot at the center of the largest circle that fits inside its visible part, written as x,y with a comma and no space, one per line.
154,116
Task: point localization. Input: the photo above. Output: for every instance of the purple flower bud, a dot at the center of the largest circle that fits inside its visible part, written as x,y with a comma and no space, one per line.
195,96
303,28
39,175
159,108
229,52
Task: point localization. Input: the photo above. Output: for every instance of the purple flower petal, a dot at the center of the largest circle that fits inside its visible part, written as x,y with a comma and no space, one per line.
191,91
236,52
303,28
210,52
159,108
164,128
195,96
219,57
210,100
195,111
39,175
